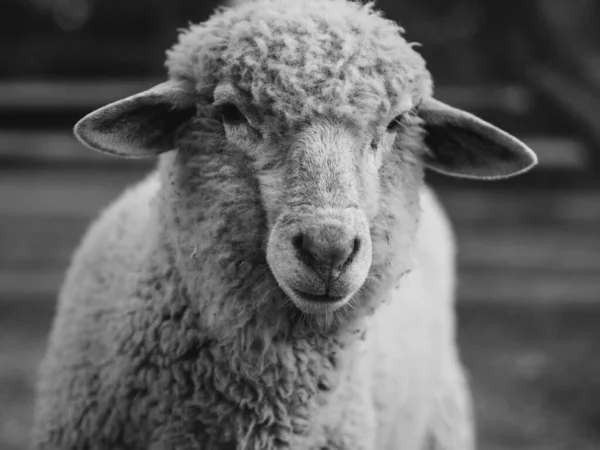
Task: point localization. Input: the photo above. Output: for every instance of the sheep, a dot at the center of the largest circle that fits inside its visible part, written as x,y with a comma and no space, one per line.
285,278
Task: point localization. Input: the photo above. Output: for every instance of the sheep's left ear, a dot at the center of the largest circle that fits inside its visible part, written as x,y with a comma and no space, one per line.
141,125
463,145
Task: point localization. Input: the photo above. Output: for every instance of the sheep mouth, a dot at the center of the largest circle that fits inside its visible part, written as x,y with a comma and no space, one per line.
317,304
318,298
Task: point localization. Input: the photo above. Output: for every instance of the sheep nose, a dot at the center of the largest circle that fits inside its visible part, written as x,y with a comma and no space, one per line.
326,250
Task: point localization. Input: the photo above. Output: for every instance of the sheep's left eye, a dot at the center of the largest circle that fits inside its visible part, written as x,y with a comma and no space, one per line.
232,115
395,123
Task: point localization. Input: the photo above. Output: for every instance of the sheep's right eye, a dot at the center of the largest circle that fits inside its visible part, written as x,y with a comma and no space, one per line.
232,115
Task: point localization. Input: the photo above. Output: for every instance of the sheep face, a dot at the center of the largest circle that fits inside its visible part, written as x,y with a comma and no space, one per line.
319,245
317,215
319,187
302,131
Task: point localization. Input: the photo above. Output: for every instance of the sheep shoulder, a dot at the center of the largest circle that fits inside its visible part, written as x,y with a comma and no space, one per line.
112,249
92,298
451,423
413,346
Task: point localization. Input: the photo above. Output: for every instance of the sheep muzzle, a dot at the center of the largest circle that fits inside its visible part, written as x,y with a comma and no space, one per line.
321,258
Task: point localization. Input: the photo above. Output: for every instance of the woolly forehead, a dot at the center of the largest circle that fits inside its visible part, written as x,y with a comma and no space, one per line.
298,59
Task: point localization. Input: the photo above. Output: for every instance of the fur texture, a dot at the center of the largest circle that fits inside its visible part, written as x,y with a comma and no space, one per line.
172,331
132,363
297,59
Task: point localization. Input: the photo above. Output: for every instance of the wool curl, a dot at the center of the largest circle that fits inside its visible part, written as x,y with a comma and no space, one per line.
305,58
136,360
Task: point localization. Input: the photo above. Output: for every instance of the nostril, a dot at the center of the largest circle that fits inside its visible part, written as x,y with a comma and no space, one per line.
304,248
346,256
352,253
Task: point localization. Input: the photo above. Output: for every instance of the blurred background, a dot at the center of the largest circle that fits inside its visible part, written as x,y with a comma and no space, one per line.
529,294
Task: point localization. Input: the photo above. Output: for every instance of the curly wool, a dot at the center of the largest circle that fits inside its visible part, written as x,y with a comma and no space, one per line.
170,331
299,58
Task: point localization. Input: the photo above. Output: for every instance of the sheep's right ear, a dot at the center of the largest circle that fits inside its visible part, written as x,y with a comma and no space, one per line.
138,126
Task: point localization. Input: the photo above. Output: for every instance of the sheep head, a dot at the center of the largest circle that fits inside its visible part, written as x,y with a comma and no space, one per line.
329,113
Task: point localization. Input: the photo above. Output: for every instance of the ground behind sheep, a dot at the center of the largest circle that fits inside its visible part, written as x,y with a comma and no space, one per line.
535,372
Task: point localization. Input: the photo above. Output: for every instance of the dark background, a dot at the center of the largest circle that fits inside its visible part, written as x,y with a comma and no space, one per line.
529,291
